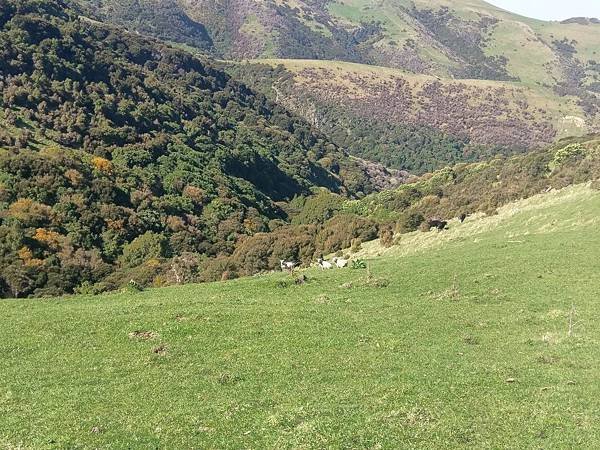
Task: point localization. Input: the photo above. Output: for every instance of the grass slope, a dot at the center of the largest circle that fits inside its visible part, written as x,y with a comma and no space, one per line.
466,346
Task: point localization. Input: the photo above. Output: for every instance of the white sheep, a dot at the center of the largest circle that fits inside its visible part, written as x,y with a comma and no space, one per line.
340,262
324,265
287,265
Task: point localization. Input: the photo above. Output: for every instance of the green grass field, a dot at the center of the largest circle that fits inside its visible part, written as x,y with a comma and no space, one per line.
456,340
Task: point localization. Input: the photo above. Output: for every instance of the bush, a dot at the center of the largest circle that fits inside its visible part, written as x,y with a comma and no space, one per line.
359,264
143,248
424,227
567,153
216,269
88,288
338,233
319,208
386,236
410,222
356,245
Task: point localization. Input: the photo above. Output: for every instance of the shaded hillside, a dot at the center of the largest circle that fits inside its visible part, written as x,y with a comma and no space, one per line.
115,149
163,19
445,194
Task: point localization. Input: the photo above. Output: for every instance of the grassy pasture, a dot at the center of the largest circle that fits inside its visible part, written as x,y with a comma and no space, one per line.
455,340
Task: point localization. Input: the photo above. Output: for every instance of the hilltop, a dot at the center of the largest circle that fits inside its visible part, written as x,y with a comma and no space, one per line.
461,39
445,345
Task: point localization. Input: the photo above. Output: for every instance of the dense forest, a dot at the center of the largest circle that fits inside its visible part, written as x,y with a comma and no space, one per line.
127,162
327,223
163,19
117,153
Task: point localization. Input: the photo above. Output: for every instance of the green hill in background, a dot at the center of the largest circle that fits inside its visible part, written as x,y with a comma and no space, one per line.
125,158
108,139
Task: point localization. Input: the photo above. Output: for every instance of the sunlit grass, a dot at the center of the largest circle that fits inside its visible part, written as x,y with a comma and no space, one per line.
461,343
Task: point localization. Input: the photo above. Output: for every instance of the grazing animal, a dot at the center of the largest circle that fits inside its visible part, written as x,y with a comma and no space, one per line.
340,262
287,265
436,223
462,217
324,265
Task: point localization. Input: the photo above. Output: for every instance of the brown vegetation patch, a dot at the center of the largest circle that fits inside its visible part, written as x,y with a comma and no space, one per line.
161,350
143,335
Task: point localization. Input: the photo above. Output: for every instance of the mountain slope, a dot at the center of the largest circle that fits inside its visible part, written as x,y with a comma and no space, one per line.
113,146
417,122
463,39
544,76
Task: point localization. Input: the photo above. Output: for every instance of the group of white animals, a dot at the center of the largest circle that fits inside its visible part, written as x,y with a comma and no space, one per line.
340,263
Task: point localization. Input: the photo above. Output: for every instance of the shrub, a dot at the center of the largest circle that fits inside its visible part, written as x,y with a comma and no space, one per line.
87,288
386,236
143,248
409,222
339,232
133,286
319,208
358,264
214,269
568,153
424,227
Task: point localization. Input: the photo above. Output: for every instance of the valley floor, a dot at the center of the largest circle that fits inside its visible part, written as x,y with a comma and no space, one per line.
457,339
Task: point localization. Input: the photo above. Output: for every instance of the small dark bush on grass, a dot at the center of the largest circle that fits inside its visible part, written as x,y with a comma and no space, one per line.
410,222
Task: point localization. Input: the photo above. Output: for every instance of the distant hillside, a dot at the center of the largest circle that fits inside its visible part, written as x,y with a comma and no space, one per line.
417,122
114,148
479,188
540,80
458,39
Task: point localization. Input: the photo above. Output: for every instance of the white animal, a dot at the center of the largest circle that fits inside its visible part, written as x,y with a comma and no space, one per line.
324,265
340,262
287,265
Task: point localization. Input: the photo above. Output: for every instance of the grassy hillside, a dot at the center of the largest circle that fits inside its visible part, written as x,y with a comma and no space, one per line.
461,343
467,39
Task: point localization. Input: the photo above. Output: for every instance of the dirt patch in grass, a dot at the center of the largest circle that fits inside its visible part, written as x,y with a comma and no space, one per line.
322,300
143,335
160,350
370,282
